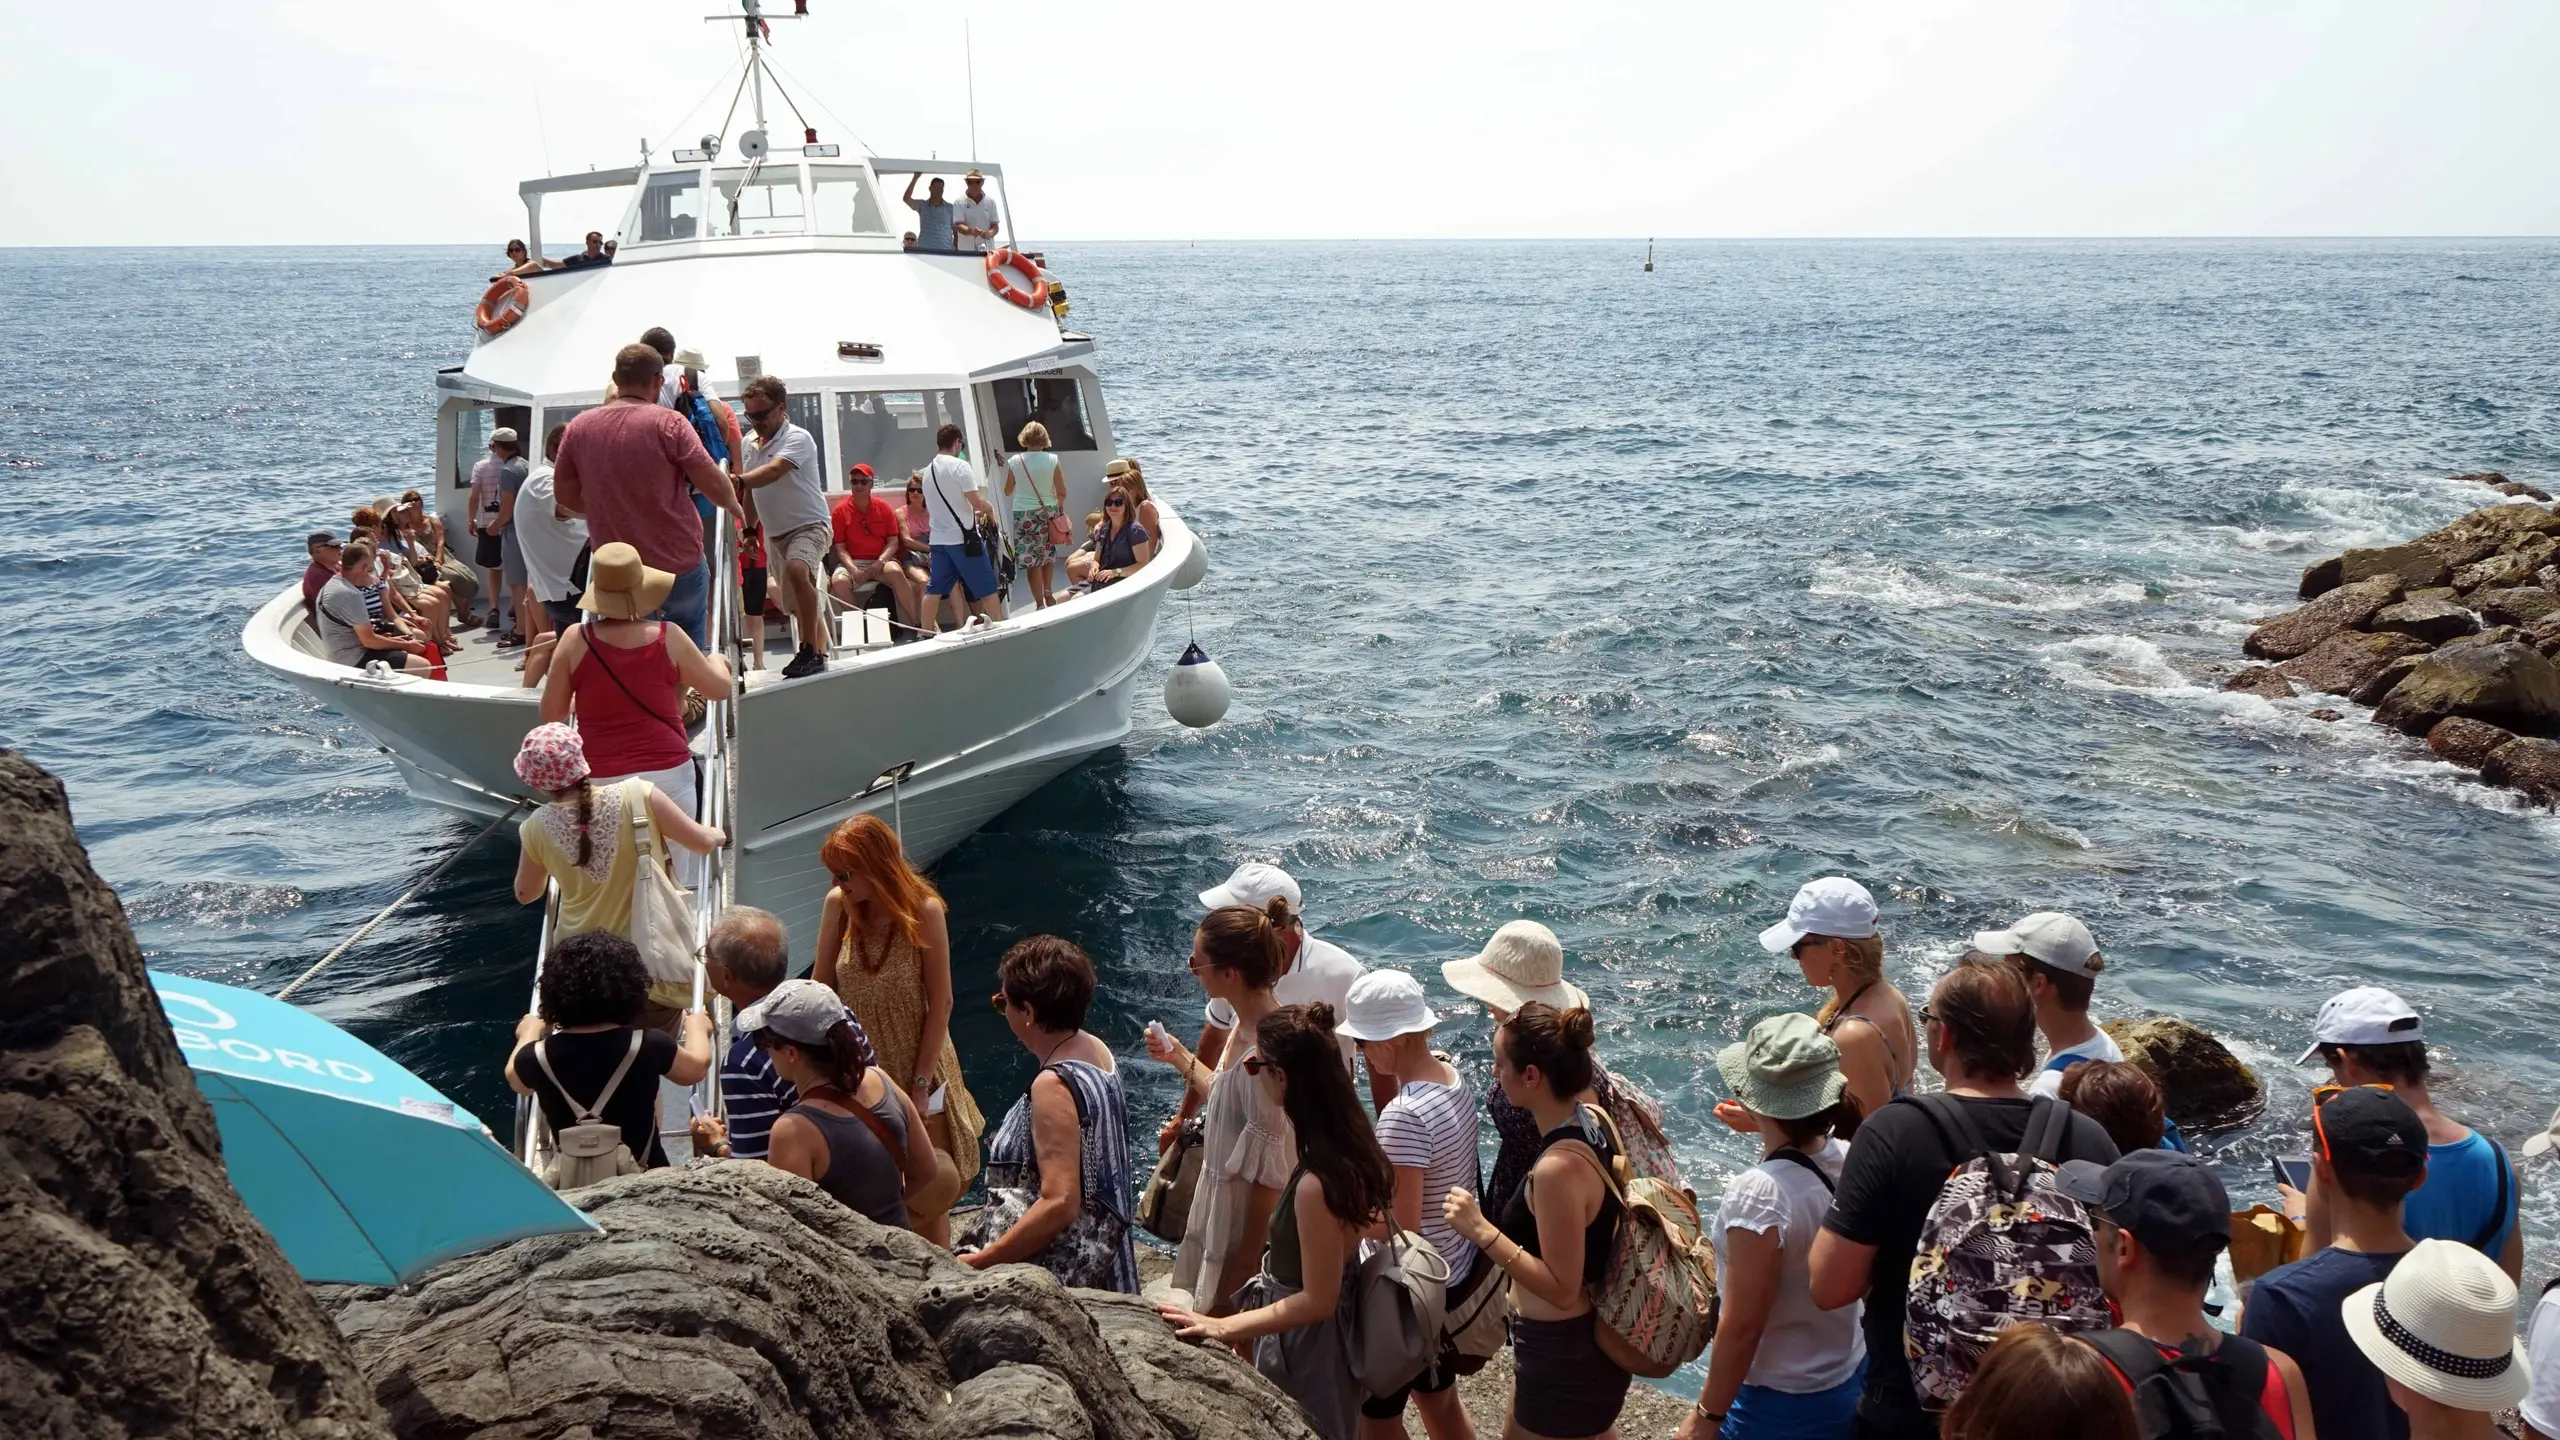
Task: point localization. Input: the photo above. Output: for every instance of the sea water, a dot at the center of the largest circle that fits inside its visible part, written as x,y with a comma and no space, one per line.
1551,588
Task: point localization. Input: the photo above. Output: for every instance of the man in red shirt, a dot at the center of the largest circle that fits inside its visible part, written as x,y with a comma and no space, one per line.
323,547
867,545
631,466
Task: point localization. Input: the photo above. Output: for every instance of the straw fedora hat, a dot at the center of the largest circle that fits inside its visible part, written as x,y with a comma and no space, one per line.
620,587
1522,962
2443,1324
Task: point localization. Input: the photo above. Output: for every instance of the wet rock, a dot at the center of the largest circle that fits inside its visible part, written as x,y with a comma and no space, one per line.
2202,1084
2510,685
2384,680
2297,631
2348,660
2414,566
2326,714
2518,487
141,1298
2434,621
2485,532
2467,743
2485,477
2529,765
1014,1402
2320,577
2521,605
2261,680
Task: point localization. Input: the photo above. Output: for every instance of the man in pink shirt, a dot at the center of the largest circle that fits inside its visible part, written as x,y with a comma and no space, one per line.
630,466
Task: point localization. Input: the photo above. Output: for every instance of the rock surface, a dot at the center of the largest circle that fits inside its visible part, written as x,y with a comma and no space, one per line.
2414,566
2509,685
2517,605
2486,531
2345,662
2530,765
2261,680
2434,621
141,1298
2202,1084
2297,631
2467,743
2320,577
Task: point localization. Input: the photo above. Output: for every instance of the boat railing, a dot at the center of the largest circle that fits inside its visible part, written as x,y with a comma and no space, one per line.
711,898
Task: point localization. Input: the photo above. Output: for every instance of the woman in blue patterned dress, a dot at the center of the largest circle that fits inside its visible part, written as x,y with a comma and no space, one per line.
1059,1187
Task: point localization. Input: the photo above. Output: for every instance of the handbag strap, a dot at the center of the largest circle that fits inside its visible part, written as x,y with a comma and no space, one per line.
644,826
1794,1156
587,1114
595,651
2498,1210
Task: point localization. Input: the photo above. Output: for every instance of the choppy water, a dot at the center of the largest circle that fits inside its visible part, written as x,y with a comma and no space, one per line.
1550,588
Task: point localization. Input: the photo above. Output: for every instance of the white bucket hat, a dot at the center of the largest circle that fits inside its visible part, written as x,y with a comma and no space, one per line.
1383,1005
2443,1324
1524,961
1834,905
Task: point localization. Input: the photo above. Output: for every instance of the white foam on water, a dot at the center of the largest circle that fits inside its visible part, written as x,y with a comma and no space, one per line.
2385,510
1887,583
1792,763
1711,743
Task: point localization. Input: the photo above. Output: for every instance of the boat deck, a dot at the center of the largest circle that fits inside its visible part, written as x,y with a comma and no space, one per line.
481,661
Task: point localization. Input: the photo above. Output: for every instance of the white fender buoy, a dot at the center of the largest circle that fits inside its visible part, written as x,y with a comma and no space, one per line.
1196,692
1195,564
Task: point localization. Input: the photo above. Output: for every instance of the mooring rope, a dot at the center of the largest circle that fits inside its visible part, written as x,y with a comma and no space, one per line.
405,897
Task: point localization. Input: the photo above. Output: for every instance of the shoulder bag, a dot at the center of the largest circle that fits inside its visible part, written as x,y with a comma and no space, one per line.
1164,1208
972,544
661,910
593,1149
1401,1307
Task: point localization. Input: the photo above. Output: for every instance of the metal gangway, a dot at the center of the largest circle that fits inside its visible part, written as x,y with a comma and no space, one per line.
716,759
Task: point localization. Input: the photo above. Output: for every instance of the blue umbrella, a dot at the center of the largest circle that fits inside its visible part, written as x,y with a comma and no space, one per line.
363,1173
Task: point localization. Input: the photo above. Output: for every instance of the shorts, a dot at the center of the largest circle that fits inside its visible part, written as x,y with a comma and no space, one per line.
1562,1383
1760,1413
808,545
974,574
489,553
564,614
511,557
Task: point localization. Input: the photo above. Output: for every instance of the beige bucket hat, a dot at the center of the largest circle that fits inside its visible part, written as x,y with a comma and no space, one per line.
620,586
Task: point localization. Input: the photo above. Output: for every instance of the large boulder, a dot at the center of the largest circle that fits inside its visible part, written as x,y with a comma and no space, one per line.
2467,743
2434,621
2530,765
2513,566
2320,577
2202,1084
2518,487
2264,681
2486,531
734,1299
141,1297
2346,661
2517,605
2544,634
2297,631
2414,566
2509,685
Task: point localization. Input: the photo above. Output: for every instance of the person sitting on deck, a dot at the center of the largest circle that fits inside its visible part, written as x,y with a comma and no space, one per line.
594,254
791,502
934,218
1120,545
856,1135
586,1026
408,600
349,628
746,956
974,220
869,549
322,547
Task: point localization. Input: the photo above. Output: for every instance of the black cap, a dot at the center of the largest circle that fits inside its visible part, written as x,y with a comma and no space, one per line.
319,537
2172,1203
2369,1131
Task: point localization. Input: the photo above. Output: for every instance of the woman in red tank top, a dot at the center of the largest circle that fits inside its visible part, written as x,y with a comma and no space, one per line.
624,677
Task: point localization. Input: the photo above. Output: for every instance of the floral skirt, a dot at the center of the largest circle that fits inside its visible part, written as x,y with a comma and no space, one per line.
1031,542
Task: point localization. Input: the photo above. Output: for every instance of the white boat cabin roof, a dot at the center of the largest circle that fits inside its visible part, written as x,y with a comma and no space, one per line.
792,265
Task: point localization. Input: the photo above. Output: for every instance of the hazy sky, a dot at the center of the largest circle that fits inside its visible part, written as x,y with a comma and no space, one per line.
150,122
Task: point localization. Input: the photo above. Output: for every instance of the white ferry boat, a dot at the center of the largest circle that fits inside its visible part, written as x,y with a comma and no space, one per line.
786,259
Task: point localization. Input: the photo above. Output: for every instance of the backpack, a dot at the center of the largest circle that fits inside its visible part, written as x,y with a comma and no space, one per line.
1656,1304
695,407
2001,1244
1638,1120
1401,1290
2188,1396
593,1149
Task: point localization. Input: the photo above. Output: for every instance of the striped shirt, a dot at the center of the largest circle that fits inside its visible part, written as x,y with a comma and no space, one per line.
756,1096
1431,1127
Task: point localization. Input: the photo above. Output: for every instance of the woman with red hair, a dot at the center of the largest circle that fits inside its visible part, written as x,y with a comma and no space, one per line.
884,944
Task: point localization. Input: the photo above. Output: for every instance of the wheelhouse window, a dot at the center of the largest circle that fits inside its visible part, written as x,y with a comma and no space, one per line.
1056,401
842,199
471,431
554,415
809,412
892,430
757,200
671,206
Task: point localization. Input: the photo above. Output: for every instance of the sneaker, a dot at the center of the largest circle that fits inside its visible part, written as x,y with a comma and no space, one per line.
807,662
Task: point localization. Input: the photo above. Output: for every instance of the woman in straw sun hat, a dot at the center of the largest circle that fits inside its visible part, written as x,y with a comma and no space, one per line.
2442,1330
624,676
1782,1366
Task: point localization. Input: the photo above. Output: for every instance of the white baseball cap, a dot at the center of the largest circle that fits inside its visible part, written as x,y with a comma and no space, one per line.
1834,905
1384,1004
2049,937
1252,886
2366,1015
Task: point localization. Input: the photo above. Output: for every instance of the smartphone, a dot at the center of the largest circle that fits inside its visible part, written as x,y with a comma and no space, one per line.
2293,1170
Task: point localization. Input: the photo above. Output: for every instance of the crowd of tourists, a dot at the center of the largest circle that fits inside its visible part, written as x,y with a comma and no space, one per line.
2023,1249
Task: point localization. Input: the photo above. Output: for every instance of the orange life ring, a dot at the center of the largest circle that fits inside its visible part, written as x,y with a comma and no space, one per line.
503,305
1030,290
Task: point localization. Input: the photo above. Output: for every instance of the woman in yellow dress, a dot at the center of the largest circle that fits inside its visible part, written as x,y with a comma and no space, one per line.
884,944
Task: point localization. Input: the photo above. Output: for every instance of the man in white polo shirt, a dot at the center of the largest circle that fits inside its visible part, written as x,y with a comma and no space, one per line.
2060,961
1311,970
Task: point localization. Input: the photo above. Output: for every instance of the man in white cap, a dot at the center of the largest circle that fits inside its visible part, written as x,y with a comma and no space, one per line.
1311,970
2060,961
2370,1036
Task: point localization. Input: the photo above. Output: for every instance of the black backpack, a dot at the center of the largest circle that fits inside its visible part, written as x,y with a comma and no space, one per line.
2187,1396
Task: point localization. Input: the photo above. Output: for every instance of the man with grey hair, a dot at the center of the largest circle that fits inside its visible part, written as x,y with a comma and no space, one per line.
747,955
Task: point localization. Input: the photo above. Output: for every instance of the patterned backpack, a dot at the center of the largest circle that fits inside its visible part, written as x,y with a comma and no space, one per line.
2001,1245
1656,1305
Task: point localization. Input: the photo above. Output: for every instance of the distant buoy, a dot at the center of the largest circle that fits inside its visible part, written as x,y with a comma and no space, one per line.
1195,565
1195,694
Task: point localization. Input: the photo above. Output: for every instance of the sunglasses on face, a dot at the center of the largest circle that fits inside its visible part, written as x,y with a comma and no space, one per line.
1254,1065
999,1002
1928,1016
1115,504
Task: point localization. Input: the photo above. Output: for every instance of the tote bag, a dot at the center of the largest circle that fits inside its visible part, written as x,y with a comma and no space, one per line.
661,910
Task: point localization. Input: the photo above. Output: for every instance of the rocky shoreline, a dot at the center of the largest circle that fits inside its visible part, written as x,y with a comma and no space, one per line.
2450,637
